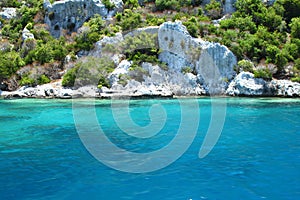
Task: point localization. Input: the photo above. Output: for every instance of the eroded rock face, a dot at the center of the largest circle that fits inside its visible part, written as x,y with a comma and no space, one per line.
244,84
71,14
284,88
229,6
213,63
156,82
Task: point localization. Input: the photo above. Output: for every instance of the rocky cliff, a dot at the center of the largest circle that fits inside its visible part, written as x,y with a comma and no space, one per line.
210,65
71,14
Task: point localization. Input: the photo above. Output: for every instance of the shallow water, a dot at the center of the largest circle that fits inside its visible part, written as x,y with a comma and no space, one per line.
256,157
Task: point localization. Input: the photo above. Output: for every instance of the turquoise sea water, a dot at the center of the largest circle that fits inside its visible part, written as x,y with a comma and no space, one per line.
256,157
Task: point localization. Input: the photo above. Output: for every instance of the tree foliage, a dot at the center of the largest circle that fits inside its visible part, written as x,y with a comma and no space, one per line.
10,62
295,27
89,71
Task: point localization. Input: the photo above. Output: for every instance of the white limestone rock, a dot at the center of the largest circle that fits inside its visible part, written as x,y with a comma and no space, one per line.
212,61
26,34
269,2
284,88
89,91
122,68
65,93
174,61
212,64
244,84
155,82
8,13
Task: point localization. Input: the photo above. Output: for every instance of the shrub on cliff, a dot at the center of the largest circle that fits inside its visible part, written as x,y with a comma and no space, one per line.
142,47
10,62
245,66
27,81
291,8
191,26
295,27
10,3
89,71
263,73
25,15
48,52
130,20
43,79
214,9
131,4
108,4
69,77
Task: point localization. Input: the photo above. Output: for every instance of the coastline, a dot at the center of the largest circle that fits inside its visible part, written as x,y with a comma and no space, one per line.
243,85
12,96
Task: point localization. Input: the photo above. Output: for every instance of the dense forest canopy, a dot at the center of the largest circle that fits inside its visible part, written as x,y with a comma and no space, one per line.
263,34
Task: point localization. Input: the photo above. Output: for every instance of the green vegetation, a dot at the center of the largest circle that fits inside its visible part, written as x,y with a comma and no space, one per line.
191,25
257,32
245,65
141,47
108,4
89,71
43,79
186,70
263,73
30,80
10,62
129,20
131,4
214,9
69,77
175,4
27,81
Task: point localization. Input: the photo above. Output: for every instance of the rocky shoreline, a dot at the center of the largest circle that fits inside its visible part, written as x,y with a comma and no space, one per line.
244,85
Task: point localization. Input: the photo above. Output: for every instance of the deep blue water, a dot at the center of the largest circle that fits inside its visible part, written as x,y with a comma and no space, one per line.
256,157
